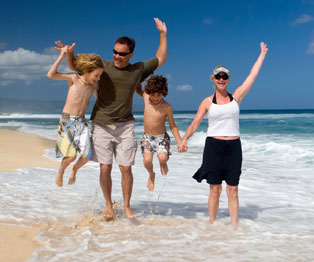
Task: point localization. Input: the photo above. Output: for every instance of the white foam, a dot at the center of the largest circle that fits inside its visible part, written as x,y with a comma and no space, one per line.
28,116
276,212
275,116
198,139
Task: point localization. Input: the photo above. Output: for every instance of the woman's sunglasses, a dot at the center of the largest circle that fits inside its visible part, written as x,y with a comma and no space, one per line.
224,77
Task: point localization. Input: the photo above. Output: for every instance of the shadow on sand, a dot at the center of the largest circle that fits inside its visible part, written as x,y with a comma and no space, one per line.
190,210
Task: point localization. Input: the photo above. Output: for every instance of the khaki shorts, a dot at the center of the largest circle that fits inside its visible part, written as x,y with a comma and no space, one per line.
114,140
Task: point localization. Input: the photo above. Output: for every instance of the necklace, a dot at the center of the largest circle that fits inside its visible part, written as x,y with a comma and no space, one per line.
155,106
83,80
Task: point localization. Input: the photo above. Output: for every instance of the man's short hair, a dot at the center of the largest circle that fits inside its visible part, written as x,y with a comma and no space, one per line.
130,42
157,84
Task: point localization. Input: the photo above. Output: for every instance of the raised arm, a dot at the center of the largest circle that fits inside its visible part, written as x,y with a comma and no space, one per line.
163,46
242,90
53,72
139,90
202,110
70,58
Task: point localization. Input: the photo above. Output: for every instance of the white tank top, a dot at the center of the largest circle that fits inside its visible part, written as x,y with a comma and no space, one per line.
223,120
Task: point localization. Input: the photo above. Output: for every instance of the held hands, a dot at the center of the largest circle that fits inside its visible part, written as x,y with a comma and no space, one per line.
264,48
64,48
182,147
161,26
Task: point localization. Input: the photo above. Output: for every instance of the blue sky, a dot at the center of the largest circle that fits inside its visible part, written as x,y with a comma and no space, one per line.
201,35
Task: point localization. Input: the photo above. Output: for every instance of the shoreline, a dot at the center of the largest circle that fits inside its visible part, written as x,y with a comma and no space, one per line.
21,150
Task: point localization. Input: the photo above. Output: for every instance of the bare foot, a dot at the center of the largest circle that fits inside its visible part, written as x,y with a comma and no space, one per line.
211,222
59,178
151,182
108,214
129,213
164,169
234,226
72,178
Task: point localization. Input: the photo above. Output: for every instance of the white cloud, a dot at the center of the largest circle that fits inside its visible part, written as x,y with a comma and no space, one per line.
25,65
310,50
302,20
207,21
184,88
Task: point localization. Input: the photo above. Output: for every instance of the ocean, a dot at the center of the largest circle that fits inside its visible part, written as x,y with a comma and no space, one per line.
276,195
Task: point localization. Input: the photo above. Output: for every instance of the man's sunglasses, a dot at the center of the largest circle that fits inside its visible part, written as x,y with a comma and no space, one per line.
121,53
224,77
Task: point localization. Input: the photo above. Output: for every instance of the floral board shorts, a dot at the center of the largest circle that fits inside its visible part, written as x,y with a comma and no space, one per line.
156,144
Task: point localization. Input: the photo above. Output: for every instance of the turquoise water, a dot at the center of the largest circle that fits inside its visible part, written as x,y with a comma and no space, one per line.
293,122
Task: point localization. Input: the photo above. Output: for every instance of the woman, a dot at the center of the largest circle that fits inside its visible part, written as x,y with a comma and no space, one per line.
222,157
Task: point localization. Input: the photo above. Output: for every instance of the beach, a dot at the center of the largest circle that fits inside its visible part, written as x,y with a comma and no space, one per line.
51,224
18,150
17,243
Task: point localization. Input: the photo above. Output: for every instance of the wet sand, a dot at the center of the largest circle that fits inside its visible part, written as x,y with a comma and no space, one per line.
19,150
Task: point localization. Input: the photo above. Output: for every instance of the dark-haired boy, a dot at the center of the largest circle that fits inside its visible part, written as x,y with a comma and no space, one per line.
155,138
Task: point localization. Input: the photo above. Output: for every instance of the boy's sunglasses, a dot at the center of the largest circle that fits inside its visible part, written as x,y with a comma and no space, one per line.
121,53
224,77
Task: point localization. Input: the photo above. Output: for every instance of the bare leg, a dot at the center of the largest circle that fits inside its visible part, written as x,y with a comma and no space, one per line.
106,187
127,185
233,204
148,163
163,158
81,162
213,202
66,161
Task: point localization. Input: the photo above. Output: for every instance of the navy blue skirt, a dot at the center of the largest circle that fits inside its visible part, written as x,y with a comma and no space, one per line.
222,160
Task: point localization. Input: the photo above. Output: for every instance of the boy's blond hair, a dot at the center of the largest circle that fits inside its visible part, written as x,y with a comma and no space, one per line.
86,63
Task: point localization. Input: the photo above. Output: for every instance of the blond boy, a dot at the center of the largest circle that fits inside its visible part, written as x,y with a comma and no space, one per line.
73,134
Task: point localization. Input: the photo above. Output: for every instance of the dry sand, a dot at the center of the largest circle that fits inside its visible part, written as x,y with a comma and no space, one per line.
18,150
17,243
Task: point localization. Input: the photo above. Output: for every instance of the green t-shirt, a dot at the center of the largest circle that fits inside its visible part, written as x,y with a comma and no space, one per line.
116,90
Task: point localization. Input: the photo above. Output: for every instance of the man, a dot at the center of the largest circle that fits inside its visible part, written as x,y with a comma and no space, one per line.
112,119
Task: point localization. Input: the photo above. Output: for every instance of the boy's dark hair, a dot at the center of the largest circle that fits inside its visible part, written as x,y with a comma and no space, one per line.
157,84
124,40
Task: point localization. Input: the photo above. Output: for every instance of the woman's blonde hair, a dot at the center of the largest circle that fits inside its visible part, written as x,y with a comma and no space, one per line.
86,63
212,77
